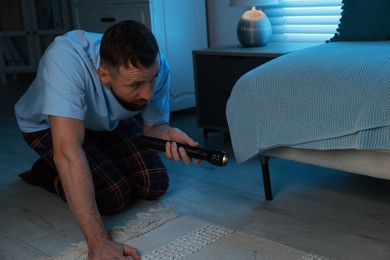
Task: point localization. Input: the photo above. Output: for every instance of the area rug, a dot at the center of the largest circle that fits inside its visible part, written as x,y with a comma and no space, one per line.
164,234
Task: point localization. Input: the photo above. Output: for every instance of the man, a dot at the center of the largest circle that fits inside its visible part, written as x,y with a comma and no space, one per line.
78,115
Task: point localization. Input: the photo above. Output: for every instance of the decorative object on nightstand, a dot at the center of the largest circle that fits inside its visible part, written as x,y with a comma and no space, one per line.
254,28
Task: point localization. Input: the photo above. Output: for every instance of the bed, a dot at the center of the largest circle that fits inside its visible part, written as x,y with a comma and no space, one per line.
327,105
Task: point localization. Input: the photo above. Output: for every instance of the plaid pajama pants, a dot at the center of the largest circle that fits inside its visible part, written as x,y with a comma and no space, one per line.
120,168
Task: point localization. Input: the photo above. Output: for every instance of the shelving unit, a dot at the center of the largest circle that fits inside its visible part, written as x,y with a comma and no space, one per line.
27,27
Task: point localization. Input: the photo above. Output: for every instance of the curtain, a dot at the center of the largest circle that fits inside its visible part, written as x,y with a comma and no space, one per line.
304,20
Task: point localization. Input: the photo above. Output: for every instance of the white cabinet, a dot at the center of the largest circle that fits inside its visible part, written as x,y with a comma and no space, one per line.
179,27
97,16
27,27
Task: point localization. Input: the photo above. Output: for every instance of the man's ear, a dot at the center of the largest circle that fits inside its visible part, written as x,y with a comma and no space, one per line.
104,75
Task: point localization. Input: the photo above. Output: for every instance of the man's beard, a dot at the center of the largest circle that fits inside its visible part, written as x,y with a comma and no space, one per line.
128,105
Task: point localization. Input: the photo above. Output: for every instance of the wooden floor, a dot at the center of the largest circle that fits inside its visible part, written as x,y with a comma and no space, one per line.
326,212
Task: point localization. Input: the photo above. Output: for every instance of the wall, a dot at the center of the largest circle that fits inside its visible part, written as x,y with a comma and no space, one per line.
222,22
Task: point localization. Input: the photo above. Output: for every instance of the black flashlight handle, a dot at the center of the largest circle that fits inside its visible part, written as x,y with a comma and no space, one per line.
217,157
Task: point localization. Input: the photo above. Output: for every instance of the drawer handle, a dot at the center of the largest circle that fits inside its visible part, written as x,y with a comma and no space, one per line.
107,19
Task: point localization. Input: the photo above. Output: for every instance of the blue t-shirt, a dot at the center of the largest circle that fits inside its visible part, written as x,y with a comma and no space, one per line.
67,85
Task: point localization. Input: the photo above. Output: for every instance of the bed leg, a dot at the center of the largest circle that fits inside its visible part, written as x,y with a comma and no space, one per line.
266,177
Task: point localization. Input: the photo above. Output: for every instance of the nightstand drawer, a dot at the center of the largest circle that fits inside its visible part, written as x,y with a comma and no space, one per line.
220,72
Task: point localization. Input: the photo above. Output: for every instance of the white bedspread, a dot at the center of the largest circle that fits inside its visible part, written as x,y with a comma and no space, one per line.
331,96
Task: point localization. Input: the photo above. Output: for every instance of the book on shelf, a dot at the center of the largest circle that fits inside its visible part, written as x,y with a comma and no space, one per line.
11,53
57,14
48,14
7,55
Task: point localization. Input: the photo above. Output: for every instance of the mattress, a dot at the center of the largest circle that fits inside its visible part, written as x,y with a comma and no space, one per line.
374,163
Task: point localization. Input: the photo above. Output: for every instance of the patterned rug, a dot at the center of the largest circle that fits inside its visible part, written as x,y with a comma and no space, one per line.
164,234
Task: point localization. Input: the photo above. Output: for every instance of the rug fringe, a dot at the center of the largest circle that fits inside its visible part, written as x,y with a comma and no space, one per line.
314,257
145,222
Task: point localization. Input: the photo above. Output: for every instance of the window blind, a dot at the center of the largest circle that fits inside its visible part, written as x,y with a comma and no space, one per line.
304,20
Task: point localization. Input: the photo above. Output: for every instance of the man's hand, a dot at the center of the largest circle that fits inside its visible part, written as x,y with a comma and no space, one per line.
113,250
176,136
171,151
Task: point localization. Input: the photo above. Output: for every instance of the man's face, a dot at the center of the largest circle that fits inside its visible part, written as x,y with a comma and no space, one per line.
132,87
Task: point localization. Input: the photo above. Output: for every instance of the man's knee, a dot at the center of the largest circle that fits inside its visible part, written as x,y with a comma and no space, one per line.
157,191
113,200
156,187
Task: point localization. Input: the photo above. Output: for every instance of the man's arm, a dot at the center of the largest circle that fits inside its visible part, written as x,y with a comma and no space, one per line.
76,179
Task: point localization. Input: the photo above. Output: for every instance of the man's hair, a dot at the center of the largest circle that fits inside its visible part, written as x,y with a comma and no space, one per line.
128,42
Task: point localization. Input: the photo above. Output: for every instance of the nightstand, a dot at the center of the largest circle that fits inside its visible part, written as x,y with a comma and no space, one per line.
216,70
